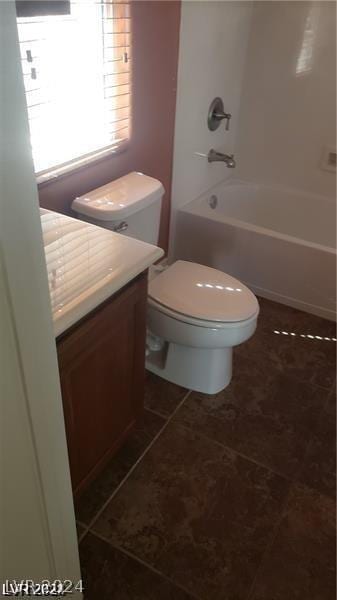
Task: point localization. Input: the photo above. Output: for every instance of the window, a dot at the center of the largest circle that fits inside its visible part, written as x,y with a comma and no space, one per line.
76,72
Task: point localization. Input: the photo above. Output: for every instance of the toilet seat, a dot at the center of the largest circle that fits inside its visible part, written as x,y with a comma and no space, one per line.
202,296
188,320
174,328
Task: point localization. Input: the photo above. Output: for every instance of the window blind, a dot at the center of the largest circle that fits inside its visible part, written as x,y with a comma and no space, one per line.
77,77
31,8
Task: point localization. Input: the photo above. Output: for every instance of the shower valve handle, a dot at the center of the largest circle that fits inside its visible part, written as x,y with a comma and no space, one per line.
222,115
216,114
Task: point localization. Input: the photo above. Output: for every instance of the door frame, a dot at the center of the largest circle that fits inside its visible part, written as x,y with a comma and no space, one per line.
37,522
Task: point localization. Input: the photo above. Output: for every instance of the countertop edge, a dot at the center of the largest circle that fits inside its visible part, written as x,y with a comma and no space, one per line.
106,291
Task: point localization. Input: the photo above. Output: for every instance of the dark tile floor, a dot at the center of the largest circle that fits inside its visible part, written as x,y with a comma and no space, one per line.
225,497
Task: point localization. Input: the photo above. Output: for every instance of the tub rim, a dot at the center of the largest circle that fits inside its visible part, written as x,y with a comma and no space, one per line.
199,203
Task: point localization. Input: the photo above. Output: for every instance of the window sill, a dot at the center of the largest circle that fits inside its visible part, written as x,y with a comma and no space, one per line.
55,174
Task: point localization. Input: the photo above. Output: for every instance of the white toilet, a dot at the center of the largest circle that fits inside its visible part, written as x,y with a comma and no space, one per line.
196,314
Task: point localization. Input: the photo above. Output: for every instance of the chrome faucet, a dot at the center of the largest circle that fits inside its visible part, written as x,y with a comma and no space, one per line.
214,156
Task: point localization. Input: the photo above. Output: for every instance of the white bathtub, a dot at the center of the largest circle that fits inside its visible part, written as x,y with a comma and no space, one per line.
281,243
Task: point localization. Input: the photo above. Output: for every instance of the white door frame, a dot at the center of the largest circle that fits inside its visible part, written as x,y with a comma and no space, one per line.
37,525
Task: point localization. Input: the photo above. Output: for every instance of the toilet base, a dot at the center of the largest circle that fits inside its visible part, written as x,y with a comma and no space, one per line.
200,369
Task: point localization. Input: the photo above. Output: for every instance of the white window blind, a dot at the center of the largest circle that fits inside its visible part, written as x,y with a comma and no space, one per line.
77,77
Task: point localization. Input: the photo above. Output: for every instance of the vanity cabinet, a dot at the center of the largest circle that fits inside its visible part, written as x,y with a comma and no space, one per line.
102,367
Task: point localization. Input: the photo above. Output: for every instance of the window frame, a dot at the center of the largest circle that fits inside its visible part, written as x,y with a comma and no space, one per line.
74,166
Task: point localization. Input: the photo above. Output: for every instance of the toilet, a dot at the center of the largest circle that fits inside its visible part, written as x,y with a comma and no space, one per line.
196,314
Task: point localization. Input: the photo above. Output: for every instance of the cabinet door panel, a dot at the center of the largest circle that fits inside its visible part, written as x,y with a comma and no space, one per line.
102,378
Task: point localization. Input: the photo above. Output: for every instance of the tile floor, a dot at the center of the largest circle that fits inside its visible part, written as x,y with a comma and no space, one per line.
225,497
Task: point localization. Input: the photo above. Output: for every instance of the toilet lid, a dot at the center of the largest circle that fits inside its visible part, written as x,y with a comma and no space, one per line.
203,293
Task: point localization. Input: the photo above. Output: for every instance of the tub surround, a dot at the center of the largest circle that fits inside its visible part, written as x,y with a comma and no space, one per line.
87,264
243,229
212,50
288,102
283,102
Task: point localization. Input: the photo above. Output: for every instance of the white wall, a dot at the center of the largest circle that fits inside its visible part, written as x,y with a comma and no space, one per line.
37,525
213,41
288,108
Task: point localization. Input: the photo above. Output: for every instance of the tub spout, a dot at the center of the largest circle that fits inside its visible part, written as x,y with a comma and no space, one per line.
228,159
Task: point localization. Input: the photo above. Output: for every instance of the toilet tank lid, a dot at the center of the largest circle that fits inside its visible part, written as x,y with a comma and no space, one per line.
119,198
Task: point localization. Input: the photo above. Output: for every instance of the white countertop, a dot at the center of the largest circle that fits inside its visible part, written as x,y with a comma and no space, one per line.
87,264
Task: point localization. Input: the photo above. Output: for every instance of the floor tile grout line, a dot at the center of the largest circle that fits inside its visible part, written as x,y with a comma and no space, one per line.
155,412
270,544
86,526
228,448
135,465
295,476
144,564
291,479
83,534
288,478
286,372
282,370
83,525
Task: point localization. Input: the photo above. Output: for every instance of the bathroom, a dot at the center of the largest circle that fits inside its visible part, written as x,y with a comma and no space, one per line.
215,479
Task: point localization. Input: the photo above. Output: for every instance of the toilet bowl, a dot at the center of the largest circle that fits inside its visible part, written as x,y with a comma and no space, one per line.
196,314
200,314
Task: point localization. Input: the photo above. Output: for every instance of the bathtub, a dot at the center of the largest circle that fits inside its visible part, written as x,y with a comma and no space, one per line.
279,242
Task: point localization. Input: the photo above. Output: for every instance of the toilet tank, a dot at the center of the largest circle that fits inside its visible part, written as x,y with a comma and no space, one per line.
130,205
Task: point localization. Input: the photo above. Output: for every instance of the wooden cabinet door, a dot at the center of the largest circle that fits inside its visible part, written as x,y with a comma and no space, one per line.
102,365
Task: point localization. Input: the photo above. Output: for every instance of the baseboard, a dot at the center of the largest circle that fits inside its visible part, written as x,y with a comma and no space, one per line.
319,311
